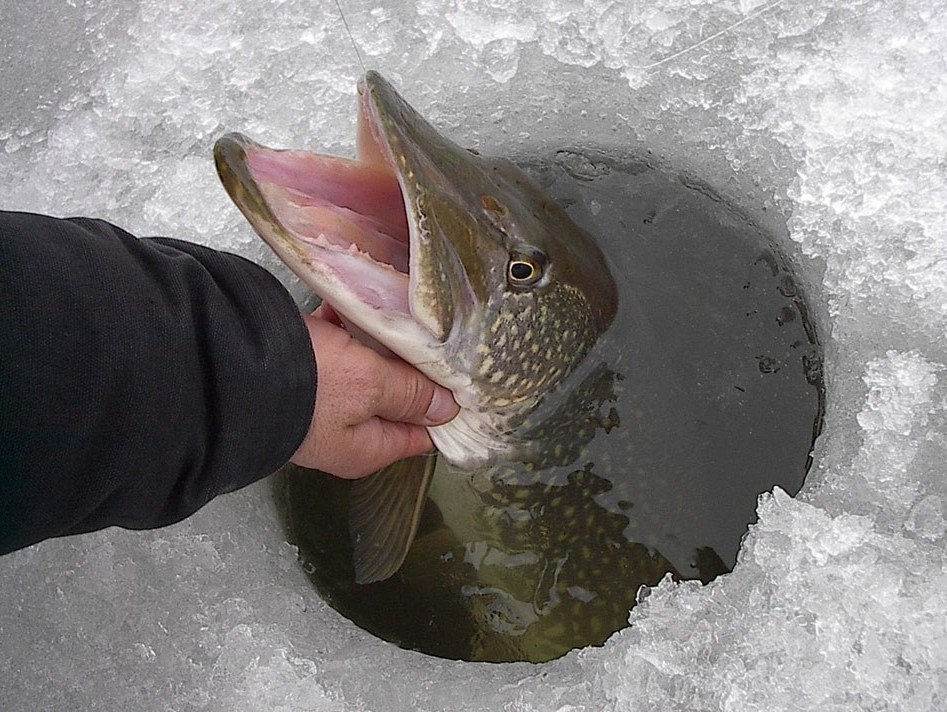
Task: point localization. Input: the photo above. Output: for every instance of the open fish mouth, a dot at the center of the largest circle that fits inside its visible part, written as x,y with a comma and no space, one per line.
342,225
351,211
457,263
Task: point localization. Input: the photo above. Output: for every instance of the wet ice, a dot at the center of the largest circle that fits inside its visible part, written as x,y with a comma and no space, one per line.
832,116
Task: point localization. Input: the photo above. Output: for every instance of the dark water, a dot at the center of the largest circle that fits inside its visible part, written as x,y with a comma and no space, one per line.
708,393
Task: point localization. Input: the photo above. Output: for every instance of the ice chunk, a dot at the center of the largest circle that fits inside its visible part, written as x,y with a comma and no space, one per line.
926,518
828,117
823,625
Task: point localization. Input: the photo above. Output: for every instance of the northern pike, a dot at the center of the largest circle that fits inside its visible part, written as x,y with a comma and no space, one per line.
456,262
611,407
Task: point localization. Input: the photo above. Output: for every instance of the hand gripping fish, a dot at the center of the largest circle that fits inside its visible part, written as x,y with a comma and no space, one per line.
456,262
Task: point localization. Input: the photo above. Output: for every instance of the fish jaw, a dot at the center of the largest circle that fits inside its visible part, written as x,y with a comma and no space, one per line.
420,245
340,225
356,232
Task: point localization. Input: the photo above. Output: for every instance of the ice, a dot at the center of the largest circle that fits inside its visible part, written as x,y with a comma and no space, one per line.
826,117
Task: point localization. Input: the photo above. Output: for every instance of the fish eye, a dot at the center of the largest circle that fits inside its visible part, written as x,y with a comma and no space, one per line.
525,269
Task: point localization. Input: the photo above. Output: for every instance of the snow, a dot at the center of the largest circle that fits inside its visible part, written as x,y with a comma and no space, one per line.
826,120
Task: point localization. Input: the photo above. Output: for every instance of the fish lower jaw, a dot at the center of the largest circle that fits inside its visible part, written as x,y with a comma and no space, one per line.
346,270
471,441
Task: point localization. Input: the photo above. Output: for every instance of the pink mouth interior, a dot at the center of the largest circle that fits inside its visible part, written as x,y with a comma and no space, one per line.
335,202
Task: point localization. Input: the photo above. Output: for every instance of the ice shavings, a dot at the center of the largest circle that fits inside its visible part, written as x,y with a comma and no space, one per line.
833,624
832,115
895,472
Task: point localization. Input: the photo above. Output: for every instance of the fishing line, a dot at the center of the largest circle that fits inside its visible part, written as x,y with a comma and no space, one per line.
348,31
752,16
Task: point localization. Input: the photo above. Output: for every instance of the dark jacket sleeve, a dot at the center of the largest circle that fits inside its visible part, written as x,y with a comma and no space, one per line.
139,378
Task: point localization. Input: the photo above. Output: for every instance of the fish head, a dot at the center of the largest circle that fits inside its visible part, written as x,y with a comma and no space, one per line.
456,262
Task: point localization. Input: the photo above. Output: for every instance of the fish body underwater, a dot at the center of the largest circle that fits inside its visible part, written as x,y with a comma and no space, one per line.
551,500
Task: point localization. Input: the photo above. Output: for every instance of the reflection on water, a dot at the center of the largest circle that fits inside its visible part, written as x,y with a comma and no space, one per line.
706,392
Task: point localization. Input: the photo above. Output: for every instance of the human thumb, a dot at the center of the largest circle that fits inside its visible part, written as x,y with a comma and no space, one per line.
442,407
410,397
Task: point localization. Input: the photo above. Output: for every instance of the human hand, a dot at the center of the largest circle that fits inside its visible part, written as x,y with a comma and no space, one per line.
370,410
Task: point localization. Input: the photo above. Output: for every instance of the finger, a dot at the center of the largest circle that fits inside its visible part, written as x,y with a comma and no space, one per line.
395,441
380,443
328,313
409,397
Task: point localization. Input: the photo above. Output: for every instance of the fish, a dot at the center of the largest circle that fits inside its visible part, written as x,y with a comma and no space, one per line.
616,423
459,264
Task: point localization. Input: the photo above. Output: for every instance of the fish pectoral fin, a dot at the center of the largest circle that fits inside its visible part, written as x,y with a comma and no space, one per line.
384,511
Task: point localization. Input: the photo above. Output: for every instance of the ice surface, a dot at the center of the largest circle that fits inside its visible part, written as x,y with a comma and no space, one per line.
828,116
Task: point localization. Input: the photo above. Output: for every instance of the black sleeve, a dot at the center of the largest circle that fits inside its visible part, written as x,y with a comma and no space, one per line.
139,378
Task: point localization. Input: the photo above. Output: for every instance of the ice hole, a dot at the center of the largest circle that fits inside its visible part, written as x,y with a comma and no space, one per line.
826,116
